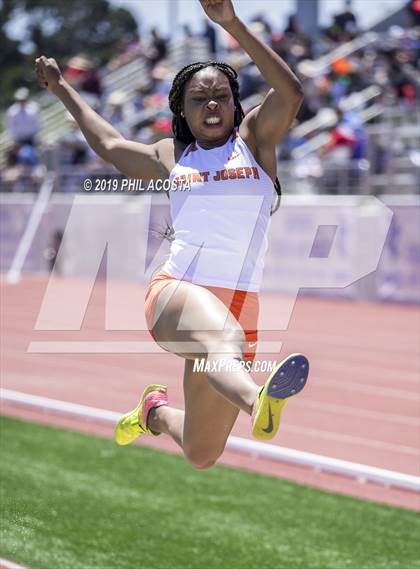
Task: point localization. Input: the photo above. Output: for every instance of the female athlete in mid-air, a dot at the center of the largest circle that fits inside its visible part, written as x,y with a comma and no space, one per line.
203,302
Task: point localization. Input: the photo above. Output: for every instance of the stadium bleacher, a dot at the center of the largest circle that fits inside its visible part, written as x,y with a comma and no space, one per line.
354,78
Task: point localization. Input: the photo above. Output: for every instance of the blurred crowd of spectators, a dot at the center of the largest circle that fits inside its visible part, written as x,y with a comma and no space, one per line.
391,63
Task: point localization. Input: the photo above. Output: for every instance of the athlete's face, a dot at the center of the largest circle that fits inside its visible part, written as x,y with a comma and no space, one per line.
209,107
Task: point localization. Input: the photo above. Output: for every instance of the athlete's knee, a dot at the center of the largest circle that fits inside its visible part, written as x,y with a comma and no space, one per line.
201,459
203,465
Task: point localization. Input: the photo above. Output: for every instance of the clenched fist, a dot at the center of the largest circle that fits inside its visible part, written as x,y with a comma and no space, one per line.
219,11
48,72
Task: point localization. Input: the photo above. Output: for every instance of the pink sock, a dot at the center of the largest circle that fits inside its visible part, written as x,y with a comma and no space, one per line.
153,400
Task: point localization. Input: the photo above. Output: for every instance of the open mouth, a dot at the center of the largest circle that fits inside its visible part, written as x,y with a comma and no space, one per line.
213,121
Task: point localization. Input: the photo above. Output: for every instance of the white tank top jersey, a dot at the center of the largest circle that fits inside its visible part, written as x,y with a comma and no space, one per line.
220,215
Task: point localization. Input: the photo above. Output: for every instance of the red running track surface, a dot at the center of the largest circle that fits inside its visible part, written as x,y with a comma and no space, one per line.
361,402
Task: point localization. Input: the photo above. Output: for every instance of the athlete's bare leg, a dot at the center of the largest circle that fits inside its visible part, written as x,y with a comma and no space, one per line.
195,324
204,426
212,399
168,420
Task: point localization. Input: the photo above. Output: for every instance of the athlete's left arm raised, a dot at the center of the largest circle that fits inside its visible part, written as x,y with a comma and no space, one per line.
269,122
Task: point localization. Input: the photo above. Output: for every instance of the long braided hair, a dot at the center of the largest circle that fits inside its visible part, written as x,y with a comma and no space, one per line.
180,126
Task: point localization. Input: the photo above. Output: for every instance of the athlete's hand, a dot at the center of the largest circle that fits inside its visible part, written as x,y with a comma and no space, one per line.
220,11
48,72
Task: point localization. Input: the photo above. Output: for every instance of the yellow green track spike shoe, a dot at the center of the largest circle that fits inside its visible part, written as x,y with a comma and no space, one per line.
133,424
287,379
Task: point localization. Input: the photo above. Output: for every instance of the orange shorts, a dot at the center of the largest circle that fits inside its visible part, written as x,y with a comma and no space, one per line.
243,305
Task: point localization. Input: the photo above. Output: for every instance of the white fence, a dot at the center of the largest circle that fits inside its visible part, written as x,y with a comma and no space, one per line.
361,472
320,244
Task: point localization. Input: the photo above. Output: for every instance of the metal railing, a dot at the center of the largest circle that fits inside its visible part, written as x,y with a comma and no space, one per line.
314,68
381,175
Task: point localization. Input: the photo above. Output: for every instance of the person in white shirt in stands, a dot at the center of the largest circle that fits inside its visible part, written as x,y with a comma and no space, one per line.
23,120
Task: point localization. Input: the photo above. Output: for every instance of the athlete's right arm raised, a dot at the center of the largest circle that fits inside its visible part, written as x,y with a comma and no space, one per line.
134,159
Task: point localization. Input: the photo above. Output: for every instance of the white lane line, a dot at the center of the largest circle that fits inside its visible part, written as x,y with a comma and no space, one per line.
304,403
359,413
377,391
382,343
387,375
361,472
6,564
354,387
351,439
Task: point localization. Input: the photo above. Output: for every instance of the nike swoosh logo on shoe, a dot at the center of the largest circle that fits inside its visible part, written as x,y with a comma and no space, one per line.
270,426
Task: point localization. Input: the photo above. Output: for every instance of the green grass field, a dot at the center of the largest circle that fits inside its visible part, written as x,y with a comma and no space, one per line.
71,501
